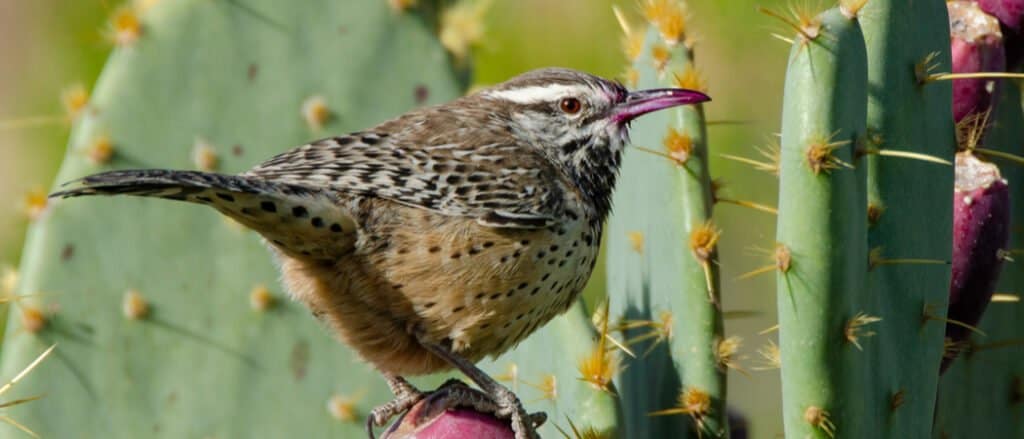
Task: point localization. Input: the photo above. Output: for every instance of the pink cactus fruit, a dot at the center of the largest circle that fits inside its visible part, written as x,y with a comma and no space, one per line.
1009,12
977,46
432,419
981,227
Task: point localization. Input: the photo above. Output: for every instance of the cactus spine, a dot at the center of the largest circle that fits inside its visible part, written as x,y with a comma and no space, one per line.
822,231
663,262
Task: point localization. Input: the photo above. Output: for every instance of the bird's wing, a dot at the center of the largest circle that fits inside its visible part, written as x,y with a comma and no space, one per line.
494,182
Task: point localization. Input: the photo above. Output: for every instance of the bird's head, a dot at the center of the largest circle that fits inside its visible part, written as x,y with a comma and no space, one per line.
579,121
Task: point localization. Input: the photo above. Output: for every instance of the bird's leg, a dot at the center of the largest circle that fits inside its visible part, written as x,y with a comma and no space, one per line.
506,403
406,396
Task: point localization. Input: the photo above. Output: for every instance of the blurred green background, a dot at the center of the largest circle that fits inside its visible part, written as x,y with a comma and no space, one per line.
49,45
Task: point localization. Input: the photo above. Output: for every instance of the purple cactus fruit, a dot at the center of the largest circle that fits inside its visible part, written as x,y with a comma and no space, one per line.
1009,12
430,419
977,46
981,227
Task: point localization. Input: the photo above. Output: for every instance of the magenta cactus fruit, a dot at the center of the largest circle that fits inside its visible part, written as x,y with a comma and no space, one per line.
977,46
981,223
428,420
1009,12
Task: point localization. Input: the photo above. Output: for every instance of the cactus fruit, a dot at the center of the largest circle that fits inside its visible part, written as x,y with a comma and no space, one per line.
1009,12
976,46
427,420
981,226
904,40
662,262
822,223
982,392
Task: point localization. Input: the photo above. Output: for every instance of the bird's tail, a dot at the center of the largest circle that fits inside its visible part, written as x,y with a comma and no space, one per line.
299,220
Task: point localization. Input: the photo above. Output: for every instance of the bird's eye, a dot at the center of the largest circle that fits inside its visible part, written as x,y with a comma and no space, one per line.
570,105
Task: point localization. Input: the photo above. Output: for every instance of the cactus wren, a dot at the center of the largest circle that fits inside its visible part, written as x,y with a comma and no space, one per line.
442,236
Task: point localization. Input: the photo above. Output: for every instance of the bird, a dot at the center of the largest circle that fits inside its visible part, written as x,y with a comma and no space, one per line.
442,236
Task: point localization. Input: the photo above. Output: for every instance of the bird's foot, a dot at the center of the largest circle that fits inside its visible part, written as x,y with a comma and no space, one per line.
457,397
406,396
509,407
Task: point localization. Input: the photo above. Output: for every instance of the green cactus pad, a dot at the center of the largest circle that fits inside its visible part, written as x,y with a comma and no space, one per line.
247,79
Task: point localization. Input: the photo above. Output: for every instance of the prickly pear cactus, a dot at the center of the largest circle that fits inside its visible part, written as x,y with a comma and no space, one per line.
165,311
661,264
822,231
909,208
982,393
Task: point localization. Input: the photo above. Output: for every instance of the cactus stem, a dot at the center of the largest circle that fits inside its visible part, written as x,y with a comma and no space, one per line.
928,314
905,154
660,55
820,419
855,328
749,204
771,356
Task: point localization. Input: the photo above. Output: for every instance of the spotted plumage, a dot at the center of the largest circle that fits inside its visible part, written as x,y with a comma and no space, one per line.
447,234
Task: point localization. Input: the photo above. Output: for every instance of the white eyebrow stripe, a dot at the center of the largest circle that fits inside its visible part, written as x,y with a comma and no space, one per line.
538,93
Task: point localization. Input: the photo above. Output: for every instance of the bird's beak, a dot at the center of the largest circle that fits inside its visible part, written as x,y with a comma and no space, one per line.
641,102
